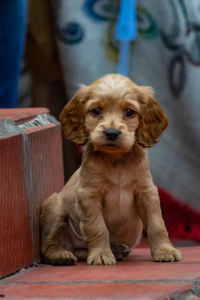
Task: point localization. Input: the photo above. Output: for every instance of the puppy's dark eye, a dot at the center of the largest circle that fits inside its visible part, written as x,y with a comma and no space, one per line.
96,111
129,112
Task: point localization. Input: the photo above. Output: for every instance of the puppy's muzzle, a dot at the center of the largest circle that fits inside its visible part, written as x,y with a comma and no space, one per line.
111,134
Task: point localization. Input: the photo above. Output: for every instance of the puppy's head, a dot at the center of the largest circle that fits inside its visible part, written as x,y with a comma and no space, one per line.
113,114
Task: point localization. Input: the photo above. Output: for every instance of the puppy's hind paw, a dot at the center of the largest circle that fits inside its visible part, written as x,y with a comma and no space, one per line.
120,251
167,254
101,257
60,257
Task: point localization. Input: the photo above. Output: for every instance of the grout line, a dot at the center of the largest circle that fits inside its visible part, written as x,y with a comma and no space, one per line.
101,281
189,263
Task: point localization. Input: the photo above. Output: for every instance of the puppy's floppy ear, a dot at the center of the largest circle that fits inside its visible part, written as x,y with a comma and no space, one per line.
72,117
153,120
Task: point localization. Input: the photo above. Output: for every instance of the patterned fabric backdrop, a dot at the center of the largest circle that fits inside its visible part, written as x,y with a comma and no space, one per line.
166,56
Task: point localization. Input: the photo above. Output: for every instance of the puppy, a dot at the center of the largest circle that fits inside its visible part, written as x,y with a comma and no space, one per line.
100,213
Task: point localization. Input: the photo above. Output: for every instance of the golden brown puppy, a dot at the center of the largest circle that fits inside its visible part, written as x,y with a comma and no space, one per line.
101,211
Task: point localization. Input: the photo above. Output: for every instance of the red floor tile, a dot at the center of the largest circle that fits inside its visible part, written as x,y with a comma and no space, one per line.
99,290
138,266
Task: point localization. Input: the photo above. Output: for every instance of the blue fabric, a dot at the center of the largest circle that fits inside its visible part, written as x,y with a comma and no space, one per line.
13,15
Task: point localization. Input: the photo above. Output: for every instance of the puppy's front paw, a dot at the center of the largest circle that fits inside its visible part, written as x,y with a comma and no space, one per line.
166,253
103,256
60,257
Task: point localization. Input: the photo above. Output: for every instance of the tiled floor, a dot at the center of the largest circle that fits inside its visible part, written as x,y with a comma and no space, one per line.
135,278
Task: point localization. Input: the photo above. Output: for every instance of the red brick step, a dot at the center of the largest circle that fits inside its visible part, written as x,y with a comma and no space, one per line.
31,169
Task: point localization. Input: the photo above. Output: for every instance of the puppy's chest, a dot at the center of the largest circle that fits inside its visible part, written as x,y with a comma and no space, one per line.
118,194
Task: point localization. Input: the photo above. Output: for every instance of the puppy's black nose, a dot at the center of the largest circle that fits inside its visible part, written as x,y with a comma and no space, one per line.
112,134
